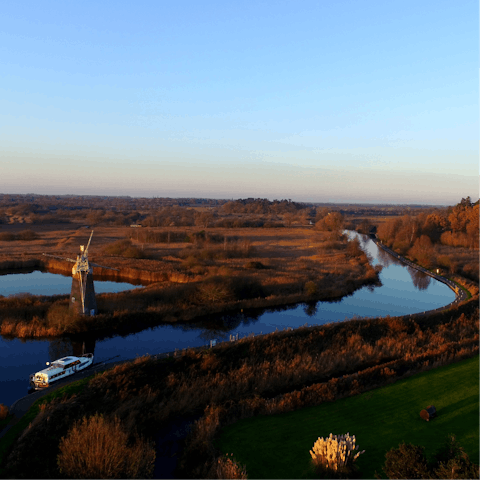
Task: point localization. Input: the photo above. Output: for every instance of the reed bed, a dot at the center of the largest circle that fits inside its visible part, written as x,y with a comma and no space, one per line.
266,374
209,277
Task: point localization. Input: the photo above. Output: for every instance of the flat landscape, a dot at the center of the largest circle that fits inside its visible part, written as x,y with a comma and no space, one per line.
278,446
197,261
188,271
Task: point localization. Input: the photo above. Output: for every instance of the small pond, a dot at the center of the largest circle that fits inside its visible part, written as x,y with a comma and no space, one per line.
44,283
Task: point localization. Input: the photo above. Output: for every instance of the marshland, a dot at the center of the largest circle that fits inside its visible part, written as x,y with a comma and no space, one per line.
199,261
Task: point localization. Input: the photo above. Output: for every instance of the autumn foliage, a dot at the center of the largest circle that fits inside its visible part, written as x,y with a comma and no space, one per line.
410,461
267,374
3,411
100,448
448,238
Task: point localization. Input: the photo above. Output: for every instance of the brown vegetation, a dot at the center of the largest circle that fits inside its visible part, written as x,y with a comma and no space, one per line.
410,461
200,272
448,239
226,467
3,411
217,271
24,236
96,447
267,374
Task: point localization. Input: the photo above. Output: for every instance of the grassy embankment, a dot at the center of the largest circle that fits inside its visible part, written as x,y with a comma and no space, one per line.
39,406
274,373
216,273
278,446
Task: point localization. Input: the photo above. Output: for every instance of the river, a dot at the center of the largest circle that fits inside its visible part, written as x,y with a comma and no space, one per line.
404,291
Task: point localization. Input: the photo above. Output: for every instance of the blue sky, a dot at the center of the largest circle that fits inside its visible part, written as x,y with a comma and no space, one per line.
345,101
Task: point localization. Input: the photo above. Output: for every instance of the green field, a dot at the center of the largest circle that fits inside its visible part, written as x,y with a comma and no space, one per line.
278,446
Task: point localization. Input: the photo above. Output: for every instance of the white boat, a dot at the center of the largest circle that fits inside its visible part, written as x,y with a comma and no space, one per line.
61,368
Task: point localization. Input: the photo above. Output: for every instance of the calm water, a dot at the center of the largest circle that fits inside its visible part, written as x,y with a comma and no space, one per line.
403,291
43,283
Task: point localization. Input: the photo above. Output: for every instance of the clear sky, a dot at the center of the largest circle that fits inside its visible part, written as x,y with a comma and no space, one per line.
342,101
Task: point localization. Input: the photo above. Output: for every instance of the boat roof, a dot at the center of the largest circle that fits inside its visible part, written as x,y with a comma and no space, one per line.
65,360
58,364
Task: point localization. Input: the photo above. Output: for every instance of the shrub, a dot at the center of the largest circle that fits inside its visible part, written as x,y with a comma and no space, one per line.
97,448
225,467
7,237
3,411
25,235
124,248
406,461
59,316
213,290
255,265
450,461
335,454
311,288
354,249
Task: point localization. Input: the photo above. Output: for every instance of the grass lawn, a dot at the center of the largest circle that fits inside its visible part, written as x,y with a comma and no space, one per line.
277,446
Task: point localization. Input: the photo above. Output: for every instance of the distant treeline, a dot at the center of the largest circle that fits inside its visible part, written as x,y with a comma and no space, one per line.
165,212
24,235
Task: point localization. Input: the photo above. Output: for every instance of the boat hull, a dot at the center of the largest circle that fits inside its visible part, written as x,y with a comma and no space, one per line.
48,377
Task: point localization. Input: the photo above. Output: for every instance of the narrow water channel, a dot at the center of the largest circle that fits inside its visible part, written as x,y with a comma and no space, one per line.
404,291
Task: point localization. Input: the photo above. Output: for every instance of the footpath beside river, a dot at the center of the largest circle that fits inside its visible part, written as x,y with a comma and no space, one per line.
22,405
460,295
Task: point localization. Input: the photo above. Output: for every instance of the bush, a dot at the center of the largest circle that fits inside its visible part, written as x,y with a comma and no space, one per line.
124,248
214,290
450,461
255,265
311,288
7,237
97,448
3,411
225,467
406,461
59,316
335,455
354,249
25,235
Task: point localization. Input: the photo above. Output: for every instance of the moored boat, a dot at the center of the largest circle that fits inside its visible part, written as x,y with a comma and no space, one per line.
61,368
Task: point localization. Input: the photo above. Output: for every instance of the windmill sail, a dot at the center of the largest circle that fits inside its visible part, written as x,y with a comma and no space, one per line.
82,296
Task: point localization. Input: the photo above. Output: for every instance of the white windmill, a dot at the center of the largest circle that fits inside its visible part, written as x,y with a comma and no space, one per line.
82,296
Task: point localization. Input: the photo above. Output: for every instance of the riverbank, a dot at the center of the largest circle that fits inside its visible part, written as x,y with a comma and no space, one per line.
462,293
282,371
200,281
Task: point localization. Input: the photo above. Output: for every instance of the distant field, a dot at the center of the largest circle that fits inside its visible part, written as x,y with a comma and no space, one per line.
278,446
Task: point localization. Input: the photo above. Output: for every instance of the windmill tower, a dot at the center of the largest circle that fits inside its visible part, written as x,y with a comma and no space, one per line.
82,296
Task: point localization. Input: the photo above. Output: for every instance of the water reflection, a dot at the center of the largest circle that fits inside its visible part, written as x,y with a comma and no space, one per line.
310,309
386,259
59,347
403,291
419,279
63,347
38,282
